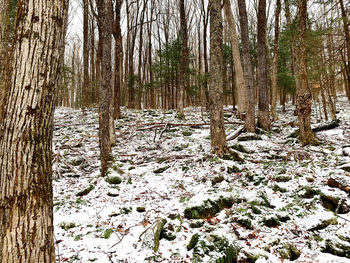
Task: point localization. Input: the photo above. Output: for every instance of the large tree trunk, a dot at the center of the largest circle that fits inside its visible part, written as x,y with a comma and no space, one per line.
105,91
217,129
184,59
248,70
303,107
275,63
345,19
239,75
26,205
263,112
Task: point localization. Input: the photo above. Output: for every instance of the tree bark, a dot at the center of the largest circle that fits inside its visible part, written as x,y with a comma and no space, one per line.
263,112
118,58
26,204
345,19
239,75
248,70
303,107
184,59
105,23
217,129
86,83
275,63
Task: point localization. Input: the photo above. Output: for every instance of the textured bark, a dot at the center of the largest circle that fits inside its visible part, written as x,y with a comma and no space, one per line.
4,22
275,62
26,214
303,107
239,75
105,99
345,19
86,83
118,58
217,129
248,70
184,59
263,112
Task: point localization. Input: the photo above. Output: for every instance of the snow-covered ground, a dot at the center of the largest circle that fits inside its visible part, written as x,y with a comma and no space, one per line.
282,203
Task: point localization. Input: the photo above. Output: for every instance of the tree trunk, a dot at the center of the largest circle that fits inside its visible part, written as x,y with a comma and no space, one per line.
275,63
86,84
217,129
118,57
26,204
248,70
303,107
345,19
263,112
105,24
184,59
239,75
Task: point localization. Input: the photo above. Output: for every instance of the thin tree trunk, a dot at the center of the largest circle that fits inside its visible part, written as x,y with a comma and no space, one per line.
263,112
86,83
303,107
248,70
118,58
275,63
26,198
239,75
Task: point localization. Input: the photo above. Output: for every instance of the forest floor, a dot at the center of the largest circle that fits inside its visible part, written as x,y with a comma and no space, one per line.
272,201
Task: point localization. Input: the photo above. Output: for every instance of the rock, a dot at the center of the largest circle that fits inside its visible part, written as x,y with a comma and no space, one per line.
232,156
240,148
160,170
340,181
289,252
282,178
339,244
77,161
255,255
277,188
346,151
66,226
187,133
335,204
309,192
244,221
233,169
113,193
249,137
167,235
283,217
197,224
193,241
345,167
85,191
126,210
271,221
324,223
211,207
152,235
113,179
140,209
217,180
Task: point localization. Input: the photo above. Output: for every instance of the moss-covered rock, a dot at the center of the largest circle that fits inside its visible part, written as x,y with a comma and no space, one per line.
289,251
193,241
161,170
167,234
334,203
77,161
152,235
211,207
244,221
271,221
233,169
197,223
322,224
232,156
309,192
217,180
249,137
240,148
339,243
140,209
113,179
282,178
85,191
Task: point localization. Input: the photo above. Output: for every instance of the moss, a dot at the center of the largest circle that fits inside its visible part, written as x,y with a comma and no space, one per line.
160,170
282,178
113,194
113,179
107,234
126,210
77,161
244,221
140,209
255,210
271,221
240,148
233,169
167,235
232,156
193,242
277,188
187,133
325,223
197,224
217,180
310,192
253,137
67,226
85,191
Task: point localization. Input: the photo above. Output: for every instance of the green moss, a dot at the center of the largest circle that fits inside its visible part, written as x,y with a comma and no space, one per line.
233,169
282,178
187,133
107,234
113,179
193,241
140,209
161,170
271,221
85,191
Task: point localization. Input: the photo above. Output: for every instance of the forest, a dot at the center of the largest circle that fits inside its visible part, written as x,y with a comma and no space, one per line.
174,131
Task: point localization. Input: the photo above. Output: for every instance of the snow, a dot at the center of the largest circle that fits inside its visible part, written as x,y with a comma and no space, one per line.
187,181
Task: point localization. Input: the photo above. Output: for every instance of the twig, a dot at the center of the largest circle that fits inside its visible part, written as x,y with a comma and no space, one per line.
235,134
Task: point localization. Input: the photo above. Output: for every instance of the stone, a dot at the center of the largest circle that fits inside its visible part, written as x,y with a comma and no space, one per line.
140,209
289,252
249,137
160,170
113,179
85,191
335,204
151,237
193,241
271,221
324,223
338,244
340,181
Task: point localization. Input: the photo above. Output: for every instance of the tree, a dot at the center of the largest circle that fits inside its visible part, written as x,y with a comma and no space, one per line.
303,107
247,64
263,113
275,62
105,9
217,129
86,84
184,59
26,204
239,75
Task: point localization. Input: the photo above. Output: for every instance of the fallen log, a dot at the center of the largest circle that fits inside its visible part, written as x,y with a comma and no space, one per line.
331,125
161,124
235,134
